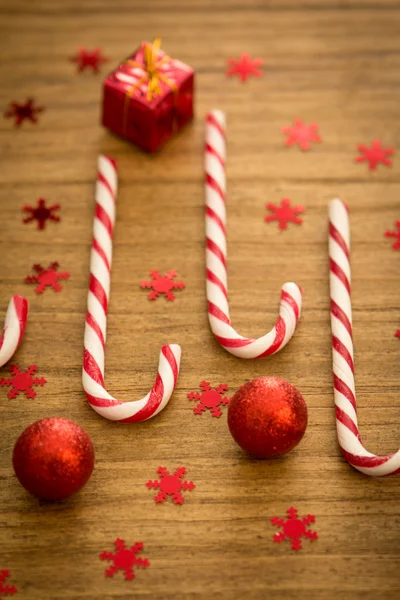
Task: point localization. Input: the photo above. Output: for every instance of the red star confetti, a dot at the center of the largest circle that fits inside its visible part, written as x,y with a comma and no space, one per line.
89,59
41,213
46,278
395,235
285,213
244,67
162,285
124,559
6,590
20,112
294,529
397,334
170,485
375,155
22,381
210,399
301,134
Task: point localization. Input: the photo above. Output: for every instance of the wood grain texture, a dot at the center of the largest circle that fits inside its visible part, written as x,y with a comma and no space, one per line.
333,62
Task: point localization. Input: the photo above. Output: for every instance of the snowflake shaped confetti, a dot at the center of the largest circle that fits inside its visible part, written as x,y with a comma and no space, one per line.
210,399
244,67
395,235
41,213
22,381
20,112
6,590
89,59
285,213
47,277
301,134
124,559
170,485
397,334
162,285
375,155
294,528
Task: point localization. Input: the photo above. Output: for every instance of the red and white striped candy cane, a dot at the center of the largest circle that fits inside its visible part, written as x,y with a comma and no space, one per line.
96,319
342,349
14,328
217,279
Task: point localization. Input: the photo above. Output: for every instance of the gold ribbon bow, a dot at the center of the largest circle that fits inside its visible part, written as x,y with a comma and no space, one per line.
153,75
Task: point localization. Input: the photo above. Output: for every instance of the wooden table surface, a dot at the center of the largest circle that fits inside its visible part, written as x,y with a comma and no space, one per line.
333,62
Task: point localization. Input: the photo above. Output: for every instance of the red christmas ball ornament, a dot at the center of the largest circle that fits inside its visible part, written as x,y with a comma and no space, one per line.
267,417
53,458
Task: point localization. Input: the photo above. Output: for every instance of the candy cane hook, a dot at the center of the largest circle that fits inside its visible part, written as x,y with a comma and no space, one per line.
217,279
342,351
14,328
96,319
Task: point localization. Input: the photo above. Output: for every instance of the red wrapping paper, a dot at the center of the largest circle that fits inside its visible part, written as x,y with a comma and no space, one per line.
148,98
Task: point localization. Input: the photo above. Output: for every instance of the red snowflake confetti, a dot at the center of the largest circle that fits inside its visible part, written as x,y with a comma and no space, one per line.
41,213
397,334
294,528
210,399
284,213
244,67
89,59
162,285
22,381
395,235
46,277
301,134
6,590
20,112
170,485
374,155
124,559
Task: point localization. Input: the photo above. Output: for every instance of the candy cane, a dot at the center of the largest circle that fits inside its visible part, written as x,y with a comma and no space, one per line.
342,350
96,319
217,279
14,328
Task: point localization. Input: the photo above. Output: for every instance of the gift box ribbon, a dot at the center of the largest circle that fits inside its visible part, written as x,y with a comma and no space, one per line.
152,73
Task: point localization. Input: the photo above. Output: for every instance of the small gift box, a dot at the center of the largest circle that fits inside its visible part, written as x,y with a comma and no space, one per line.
148,97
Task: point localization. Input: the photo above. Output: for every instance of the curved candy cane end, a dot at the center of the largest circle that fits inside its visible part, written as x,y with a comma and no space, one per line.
22,308
292,294
14,328
176,350
374,466
172,353
159,396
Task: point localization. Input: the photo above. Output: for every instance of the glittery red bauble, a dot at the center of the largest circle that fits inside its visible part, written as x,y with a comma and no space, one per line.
267,417
53,458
